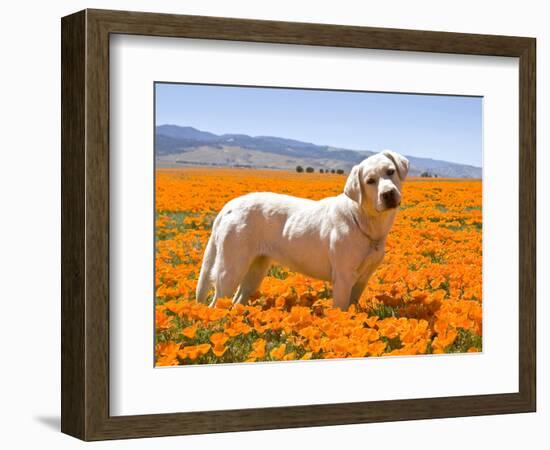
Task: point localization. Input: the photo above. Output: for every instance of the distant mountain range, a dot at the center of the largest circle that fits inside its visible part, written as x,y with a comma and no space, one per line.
176,145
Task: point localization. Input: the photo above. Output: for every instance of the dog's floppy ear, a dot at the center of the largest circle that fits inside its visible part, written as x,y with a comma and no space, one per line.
353,188
401,163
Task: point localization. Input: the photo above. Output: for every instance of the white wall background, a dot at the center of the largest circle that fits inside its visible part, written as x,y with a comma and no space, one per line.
30,225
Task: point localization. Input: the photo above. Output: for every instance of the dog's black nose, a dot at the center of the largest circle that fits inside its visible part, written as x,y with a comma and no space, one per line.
390,198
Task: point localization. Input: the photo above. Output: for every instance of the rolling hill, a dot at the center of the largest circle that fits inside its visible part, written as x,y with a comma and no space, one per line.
177,145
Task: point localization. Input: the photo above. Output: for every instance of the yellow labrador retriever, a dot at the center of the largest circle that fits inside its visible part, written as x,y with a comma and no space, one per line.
339,239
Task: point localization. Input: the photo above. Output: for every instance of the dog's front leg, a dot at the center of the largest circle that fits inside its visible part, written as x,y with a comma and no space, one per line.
356,292
341,290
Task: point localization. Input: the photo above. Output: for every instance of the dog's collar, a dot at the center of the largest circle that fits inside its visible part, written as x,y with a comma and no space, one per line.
374,242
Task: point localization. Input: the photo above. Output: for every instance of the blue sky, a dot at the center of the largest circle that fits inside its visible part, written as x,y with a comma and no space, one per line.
432,126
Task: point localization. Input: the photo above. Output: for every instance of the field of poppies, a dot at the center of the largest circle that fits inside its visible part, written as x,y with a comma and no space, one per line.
424,298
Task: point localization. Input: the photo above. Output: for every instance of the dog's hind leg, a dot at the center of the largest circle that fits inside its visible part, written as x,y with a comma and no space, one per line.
252,280
205,277
226,284
231,267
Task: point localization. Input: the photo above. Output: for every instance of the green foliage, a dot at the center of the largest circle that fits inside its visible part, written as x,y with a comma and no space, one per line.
435,258
382,311
392,344
465,340
278,272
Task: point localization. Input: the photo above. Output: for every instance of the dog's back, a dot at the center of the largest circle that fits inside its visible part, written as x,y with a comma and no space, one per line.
248,227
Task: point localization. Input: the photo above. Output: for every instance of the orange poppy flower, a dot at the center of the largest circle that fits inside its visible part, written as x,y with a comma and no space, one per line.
258,349
278,353
190,331
194,351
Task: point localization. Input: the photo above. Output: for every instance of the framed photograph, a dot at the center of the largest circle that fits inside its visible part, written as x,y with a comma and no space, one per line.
273,225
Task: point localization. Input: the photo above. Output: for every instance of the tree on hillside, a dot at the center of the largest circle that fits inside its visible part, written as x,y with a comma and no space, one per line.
340,172
310,169
299,169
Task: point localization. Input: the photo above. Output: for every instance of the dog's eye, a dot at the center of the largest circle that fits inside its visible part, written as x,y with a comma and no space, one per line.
391,172
371,181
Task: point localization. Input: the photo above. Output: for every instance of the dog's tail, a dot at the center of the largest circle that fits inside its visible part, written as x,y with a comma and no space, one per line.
205,277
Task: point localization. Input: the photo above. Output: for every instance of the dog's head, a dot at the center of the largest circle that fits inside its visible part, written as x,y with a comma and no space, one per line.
375,183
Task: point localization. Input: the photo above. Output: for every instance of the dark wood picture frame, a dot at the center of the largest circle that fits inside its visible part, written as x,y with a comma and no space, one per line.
85,224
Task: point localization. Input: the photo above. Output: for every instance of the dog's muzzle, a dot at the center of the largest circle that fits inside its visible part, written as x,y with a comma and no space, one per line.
391,199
